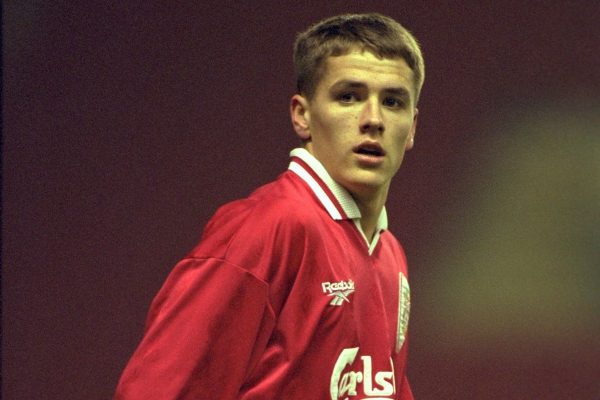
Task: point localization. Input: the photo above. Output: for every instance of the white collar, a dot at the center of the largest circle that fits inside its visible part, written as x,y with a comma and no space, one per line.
338,202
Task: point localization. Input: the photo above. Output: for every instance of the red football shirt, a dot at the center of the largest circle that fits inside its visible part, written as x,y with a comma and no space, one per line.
283,298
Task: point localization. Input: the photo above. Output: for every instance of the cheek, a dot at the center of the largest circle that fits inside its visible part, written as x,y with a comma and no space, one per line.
331,127
403,132
399,143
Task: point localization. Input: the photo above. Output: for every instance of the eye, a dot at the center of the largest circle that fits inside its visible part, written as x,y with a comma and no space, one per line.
393,102
348,97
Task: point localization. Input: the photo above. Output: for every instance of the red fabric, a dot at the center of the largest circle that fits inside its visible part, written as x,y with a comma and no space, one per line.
245,315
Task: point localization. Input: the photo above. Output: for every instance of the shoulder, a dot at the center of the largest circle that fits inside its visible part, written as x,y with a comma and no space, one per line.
392,247
277,214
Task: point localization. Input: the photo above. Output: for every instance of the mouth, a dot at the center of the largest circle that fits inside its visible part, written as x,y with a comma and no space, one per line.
372,149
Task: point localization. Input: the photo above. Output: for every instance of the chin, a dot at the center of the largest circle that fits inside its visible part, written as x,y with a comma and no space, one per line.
365,187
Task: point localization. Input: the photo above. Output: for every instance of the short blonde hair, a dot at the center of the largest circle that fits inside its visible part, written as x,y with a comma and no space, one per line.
337,35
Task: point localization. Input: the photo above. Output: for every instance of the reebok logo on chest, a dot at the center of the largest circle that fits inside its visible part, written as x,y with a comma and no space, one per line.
339,291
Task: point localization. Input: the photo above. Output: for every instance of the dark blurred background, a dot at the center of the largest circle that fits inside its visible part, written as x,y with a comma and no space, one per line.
126,124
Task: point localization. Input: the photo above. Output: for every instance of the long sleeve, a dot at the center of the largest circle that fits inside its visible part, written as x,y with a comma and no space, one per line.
205,331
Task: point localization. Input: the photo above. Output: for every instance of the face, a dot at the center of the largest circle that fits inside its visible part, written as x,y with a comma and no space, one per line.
360,121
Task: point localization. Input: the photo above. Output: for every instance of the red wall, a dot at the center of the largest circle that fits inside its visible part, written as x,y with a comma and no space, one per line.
126,125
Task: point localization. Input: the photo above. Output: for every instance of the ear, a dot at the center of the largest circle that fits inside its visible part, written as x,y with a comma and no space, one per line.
410,142
300,114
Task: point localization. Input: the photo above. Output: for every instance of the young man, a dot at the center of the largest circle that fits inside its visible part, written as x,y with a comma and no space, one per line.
299,291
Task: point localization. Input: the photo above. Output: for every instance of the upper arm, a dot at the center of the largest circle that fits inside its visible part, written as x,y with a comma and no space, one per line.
206,328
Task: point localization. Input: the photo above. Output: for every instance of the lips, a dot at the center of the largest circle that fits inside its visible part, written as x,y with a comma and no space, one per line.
373,149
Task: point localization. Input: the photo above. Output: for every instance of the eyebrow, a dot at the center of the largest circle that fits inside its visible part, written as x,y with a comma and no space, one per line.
351,84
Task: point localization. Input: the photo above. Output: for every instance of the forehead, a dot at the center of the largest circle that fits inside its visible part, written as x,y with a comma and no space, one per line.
366,67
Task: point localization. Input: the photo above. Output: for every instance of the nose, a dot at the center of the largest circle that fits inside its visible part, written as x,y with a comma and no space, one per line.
371,119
